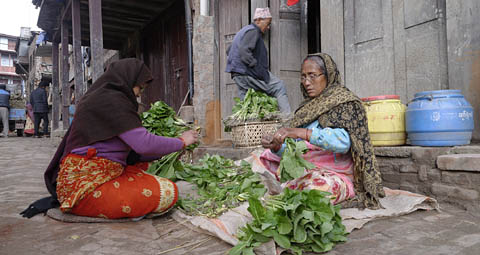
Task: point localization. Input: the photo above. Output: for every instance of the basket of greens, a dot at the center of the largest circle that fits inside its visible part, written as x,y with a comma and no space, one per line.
252,117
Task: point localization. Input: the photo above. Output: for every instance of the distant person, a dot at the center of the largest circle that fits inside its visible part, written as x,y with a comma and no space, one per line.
29,129
39,101
247,61
4,108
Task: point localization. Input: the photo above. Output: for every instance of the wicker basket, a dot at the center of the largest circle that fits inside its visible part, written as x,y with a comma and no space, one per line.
250,133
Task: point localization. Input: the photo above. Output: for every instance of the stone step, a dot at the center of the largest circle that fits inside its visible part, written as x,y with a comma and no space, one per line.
459,162
227,152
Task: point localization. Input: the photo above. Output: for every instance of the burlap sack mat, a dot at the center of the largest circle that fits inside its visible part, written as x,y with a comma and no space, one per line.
56,214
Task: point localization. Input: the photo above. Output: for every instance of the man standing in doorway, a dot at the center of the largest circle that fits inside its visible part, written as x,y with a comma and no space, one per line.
4,108
247,61
39,101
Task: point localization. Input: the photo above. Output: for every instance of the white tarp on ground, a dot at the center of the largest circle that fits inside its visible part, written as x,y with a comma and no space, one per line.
396,203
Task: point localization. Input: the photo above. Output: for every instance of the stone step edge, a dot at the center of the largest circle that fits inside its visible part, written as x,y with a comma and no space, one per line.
459,162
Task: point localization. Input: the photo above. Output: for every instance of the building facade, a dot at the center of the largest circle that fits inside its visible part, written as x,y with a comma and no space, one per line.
8,56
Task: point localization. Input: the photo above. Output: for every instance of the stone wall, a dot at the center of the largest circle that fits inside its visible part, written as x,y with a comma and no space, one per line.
449,174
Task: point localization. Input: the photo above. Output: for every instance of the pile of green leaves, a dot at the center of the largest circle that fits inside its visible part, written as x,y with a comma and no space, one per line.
293,165
301,221
162,120
255,106
221,184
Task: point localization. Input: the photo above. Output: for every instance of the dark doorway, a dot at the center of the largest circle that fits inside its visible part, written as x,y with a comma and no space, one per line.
165,52
314,44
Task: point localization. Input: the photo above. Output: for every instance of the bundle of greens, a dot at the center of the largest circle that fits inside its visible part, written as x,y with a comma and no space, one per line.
301,221
256,106
161,120
293,165
221,184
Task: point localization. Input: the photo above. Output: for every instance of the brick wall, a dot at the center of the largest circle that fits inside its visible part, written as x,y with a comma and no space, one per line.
7,69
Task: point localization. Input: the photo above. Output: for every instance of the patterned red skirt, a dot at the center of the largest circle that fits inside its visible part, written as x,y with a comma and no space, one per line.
97,187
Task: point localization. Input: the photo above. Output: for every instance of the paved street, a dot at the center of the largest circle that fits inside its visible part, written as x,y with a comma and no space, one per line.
23,160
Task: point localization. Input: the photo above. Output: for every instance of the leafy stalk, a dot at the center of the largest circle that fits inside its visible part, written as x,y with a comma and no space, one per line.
255,106
161,120
293,164
221,185
301,221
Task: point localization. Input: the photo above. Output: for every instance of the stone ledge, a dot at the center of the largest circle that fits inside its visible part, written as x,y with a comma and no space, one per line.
466,149
227,152
459,162
417,152
399,151
443,192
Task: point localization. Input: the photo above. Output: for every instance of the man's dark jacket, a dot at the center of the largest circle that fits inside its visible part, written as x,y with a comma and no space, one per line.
248,54
38,99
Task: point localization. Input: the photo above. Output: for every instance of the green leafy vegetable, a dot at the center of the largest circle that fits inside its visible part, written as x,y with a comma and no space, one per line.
221,184
255,106
302,221
293,165
161,120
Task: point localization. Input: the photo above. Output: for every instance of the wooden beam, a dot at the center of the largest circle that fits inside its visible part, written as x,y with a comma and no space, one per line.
136,7
96,37
117,24
112,31
64,75
55,91
129,12
77,49
66,12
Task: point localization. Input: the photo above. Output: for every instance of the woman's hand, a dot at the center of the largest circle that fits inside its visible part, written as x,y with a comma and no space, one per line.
189,137
267,143
275,141
281,134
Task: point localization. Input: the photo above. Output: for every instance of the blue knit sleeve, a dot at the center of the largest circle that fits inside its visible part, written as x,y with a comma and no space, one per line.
333,139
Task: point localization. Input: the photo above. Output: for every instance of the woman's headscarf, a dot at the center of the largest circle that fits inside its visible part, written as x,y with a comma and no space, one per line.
108,109
338,107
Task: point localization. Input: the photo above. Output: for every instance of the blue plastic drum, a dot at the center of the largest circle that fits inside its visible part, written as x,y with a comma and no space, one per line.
439,118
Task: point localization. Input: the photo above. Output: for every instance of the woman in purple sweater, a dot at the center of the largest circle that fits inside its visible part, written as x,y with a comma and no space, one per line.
89,174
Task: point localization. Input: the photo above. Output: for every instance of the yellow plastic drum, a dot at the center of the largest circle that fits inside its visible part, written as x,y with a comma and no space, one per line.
386,120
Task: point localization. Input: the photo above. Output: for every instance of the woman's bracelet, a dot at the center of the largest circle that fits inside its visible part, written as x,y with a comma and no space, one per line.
183,142
306,134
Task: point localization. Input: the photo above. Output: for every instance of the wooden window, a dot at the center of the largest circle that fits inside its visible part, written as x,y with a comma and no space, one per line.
3,43
5,60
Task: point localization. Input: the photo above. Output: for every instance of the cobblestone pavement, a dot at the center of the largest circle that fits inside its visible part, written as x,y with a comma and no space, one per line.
23,160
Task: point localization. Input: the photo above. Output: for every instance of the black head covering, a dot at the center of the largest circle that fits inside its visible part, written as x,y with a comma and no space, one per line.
108,109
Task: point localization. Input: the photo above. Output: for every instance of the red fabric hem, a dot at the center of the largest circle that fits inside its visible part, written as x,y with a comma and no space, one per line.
176,196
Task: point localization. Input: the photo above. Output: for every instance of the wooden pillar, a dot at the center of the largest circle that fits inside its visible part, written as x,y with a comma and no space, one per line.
77,49
64,75
96,37
55,91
